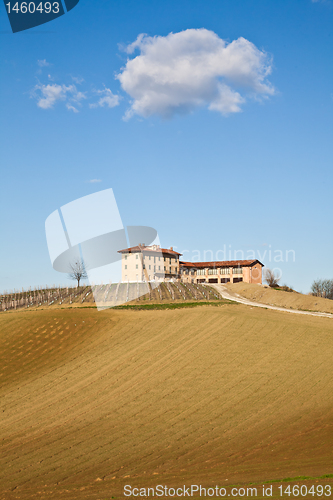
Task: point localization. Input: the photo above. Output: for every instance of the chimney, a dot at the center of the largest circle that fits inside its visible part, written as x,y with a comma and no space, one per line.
171,248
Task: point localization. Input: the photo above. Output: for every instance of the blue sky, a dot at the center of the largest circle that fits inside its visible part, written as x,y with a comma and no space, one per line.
225,159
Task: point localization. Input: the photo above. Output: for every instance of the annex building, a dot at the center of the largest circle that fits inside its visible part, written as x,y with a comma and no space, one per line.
153,263
228,271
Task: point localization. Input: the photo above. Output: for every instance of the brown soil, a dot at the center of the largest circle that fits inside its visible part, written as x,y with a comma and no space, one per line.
92,401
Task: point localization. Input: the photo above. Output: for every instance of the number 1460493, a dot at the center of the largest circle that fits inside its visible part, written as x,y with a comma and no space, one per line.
32,7
303,490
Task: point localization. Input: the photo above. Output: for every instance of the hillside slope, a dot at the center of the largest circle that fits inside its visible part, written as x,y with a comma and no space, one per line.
289,300
91,401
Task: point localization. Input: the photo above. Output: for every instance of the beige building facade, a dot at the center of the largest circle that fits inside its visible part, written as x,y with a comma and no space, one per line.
149,263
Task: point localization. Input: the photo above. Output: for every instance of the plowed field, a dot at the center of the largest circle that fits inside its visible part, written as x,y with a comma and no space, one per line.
92,401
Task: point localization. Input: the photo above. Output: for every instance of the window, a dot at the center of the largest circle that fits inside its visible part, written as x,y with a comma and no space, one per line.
170,270
154,268
237,270
164,268
125,257
170,261
159,268
125,266
149,257
154,259
201,271
212,271
149,267
136,267
136,256
224,270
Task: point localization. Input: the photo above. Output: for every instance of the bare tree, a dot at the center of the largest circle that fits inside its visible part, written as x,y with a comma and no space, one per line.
322,288
271,279
316,288
77,271
328,289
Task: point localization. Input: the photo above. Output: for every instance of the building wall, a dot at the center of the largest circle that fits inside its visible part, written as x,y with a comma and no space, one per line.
131,267
256,273
248,274
158,266
253,274
154,263
205,277
171,265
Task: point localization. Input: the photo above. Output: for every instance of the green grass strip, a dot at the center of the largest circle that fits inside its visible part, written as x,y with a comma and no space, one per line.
172,305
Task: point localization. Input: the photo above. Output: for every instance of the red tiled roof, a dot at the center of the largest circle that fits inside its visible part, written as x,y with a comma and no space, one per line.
222,263
149,249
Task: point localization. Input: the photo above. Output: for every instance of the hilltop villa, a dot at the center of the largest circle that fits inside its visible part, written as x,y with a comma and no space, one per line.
153,263
149,263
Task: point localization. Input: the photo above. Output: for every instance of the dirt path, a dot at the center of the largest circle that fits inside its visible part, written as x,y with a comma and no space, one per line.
226,294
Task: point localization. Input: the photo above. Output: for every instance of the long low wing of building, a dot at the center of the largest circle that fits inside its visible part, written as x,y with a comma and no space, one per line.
228,271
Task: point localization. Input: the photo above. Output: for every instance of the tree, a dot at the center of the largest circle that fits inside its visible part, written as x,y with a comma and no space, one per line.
77,271
271,279
322,288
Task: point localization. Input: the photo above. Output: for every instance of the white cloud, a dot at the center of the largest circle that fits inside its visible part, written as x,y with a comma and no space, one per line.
78,80
78,96
93,181
48,95
107,99
71,108
194,68
42,63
